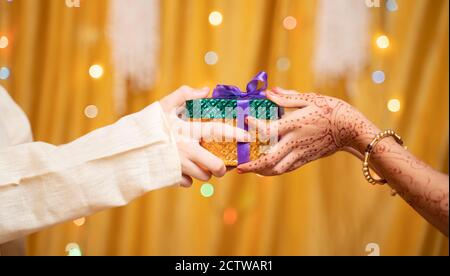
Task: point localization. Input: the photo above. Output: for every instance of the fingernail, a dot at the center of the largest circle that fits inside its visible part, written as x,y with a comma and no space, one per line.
281,91
276,89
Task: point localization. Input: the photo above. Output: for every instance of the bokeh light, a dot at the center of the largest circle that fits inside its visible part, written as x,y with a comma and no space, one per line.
383,42
290,23
4,42
283,64
378,77
79,222
4,73
230,216
391,5
211,58
394,105
207,190
96,71
91,111
215,18
73,249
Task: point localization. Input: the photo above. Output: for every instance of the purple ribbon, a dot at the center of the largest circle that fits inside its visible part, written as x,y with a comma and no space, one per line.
255,90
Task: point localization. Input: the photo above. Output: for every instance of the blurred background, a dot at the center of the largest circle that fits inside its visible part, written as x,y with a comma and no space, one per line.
74,66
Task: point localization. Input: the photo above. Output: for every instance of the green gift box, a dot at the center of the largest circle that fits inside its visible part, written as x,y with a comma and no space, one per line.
231,106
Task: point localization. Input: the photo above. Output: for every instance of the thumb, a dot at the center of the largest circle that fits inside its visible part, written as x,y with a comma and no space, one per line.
289,98
181,95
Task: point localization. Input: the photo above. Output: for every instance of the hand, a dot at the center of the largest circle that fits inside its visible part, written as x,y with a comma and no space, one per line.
319,127
196,161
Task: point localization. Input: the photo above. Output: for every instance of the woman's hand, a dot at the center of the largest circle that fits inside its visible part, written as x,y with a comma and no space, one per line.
319,127
196,161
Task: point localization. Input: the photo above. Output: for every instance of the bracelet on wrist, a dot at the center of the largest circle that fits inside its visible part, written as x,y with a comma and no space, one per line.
369,151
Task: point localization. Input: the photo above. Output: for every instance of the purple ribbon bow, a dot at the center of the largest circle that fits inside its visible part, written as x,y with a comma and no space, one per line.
255,90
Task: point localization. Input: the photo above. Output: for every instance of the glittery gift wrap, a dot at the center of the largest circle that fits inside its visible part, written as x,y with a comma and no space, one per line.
225,111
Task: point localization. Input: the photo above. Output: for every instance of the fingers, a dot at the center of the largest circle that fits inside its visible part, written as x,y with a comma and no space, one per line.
206,160
218,132
283,165
280,127
290,99
278,152
181,95
295,153
298,164
186,181
265,129
193,170
310,156
286,163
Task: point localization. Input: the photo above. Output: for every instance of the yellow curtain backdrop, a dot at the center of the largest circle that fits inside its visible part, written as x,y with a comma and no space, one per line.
326,208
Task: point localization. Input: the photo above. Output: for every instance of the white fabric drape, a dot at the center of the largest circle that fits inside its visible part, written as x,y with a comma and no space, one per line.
342,39
134,35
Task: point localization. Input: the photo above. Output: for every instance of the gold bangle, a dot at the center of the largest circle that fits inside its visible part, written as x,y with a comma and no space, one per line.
368,153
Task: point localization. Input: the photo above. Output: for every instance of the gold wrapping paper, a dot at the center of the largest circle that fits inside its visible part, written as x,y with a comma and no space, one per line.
227,151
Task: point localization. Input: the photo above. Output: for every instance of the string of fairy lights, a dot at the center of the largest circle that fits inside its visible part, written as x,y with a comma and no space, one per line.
289,23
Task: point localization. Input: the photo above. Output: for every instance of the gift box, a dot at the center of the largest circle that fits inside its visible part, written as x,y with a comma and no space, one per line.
230,105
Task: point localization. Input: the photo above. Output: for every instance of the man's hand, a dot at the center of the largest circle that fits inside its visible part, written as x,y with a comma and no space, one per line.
196,161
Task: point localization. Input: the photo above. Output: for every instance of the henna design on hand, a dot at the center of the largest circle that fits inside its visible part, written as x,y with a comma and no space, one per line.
321,126
423,188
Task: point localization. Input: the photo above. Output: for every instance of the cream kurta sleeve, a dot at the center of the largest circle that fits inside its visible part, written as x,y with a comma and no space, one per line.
42,185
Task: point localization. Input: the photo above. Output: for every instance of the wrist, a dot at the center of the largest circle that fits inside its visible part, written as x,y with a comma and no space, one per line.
360,144
352,132
364,138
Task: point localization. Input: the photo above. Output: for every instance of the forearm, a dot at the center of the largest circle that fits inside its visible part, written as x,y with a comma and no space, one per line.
323,125
425,189
42,185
